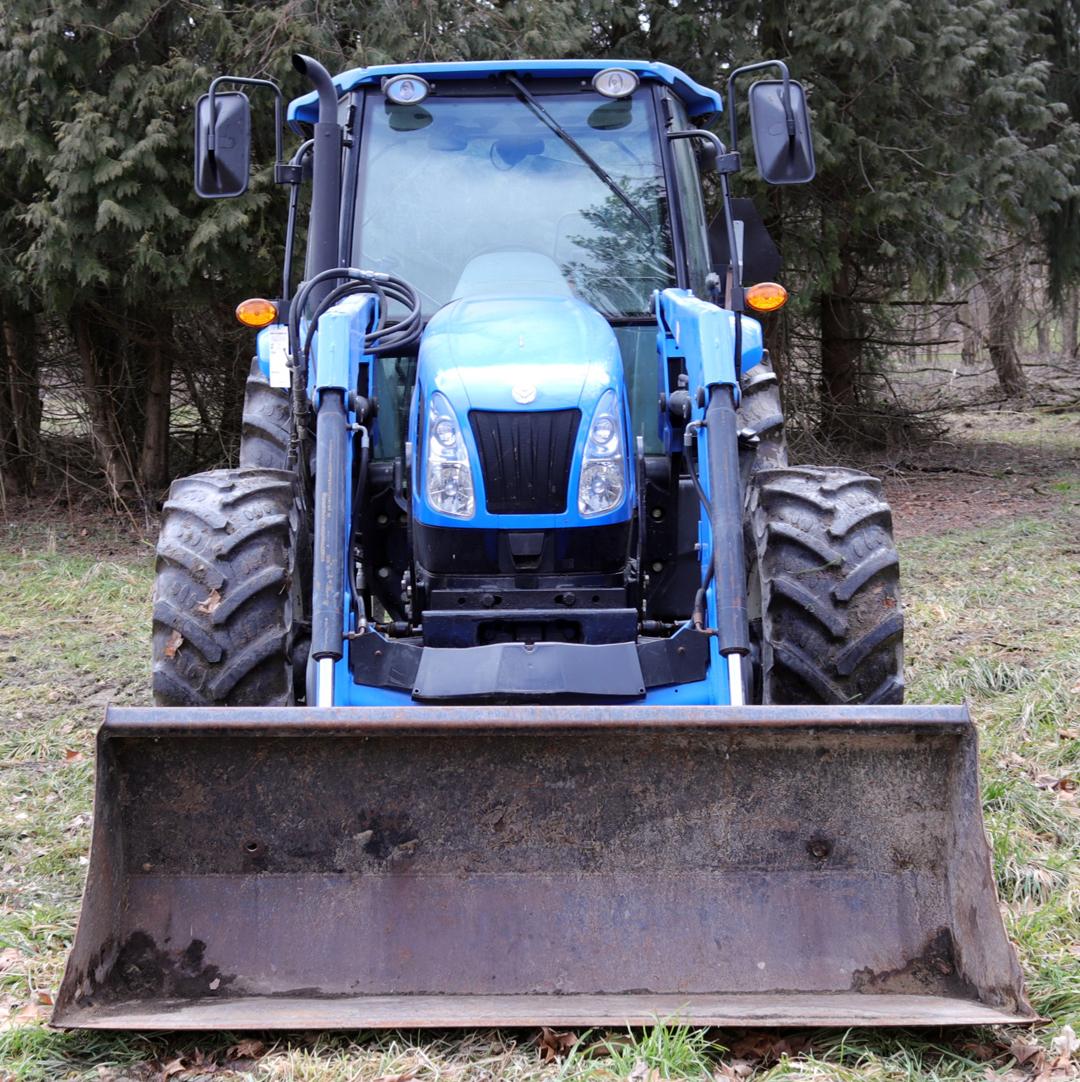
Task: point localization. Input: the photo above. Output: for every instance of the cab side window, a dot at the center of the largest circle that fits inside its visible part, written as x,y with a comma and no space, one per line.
691,204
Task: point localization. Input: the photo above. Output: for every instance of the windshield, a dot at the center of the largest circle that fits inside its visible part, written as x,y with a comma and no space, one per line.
479,195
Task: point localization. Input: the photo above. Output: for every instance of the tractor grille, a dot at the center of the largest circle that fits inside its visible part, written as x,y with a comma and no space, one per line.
525,459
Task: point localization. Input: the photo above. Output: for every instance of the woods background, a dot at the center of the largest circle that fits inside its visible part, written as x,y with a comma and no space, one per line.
938,248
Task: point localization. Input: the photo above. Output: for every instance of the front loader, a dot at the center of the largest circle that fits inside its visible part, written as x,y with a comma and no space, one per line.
514,677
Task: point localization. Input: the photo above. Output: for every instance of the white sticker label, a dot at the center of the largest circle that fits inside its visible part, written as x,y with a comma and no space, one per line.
277,342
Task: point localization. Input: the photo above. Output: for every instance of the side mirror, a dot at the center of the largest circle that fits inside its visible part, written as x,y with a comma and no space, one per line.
781,126
222,144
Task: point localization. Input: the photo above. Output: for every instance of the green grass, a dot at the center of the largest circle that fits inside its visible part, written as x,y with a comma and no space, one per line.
993,618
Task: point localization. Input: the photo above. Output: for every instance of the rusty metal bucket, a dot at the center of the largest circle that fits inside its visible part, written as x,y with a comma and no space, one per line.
347,868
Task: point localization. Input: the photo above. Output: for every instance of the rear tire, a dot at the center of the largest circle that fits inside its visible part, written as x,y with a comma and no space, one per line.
760,414
824,589
266,425
227,604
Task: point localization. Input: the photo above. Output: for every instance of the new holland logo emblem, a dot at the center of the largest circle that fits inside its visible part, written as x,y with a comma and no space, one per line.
524,393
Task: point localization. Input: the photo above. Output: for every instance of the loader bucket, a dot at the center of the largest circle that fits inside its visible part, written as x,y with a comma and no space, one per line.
518,866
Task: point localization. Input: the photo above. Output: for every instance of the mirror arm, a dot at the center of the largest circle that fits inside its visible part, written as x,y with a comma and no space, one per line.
789,114
296,165
211,138
725,162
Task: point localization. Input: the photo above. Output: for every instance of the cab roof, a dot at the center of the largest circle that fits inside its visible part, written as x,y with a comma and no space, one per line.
699,100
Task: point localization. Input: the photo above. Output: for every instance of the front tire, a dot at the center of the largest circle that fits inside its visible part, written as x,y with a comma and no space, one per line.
824,589
266,424
761,416
227,603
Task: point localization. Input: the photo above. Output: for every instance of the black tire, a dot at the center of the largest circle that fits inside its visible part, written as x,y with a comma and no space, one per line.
824,588
760,414
227,611
266,424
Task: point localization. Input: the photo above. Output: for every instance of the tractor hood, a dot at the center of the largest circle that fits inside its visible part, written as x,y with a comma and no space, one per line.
506,352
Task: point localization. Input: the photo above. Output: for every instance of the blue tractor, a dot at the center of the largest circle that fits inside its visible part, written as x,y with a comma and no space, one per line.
514,677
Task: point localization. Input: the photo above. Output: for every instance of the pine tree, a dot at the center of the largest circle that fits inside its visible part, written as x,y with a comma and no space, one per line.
937,127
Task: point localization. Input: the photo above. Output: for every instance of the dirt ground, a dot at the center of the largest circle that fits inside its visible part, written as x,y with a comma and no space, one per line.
991,465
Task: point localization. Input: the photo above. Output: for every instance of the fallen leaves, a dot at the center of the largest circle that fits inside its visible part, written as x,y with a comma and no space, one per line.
733,1071
35,1011
207,606
27,1015
1055,1065
249,1048
769,1047
198,1064
554,1044
1064,786
982,1051
173,1068
173,643
1023,1050
9,958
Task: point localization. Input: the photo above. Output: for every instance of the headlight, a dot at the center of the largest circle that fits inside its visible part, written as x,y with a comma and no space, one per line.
603,469
447,477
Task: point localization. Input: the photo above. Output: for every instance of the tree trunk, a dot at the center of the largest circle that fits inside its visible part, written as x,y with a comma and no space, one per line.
1070,347
235,363
20,409
1004,311
154,459
11,480
841,349
1042,337
109,447
774,329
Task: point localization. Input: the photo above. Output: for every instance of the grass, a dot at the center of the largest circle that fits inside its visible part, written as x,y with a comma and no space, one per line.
993,616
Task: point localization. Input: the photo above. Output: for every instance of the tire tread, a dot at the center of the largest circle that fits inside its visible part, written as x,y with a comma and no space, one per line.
761,413
232,532
265,426
826,573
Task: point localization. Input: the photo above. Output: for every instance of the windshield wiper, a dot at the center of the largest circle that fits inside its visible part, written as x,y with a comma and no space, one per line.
543,115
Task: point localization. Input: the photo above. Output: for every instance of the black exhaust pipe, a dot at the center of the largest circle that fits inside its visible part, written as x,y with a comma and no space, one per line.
326,176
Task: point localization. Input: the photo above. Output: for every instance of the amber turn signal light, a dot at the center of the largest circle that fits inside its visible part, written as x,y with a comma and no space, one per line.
766,297
257,312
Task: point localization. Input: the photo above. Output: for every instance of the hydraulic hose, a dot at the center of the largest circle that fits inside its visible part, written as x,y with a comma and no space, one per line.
385,337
